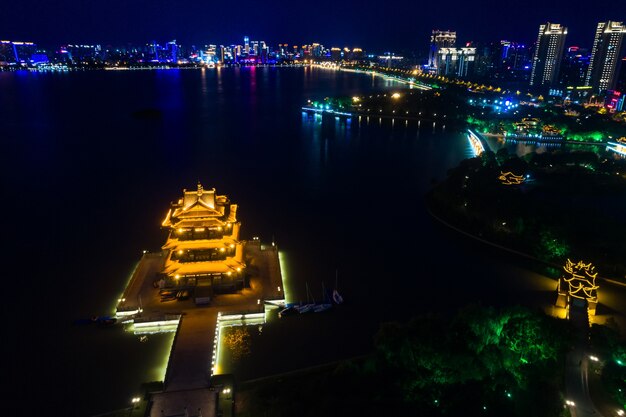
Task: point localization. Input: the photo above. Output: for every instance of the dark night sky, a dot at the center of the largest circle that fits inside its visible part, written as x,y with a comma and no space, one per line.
390,25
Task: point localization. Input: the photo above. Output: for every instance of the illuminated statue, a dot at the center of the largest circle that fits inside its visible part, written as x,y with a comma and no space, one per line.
581,280
508,178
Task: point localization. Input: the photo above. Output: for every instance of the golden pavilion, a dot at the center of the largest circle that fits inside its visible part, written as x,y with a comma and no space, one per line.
203,246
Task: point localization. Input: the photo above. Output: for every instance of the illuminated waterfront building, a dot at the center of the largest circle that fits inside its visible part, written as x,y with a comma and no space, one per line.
440,39
390,60
16,52
203,245
605,56
456,62
7,55
548,53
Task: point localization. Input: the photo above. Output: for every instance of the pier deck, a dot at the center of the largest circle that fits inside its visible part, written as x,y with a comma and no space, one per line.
187,379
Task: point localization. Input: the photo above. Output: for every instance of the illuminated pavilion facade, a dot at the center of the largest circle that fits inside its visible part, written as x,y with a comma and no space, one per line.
203,244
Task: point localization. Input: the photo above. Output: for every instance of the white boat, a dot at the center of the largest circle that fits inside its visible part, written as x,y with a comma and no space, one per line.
287,311
321,307
325,305
337,298
310,302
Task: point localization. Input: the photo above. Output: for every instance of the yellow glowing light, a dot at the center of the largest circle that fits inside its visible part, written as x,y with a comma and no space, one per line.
508,178
180,230
219,228
582,280
356,99
232,245
222,249
177,276
395,95
180,252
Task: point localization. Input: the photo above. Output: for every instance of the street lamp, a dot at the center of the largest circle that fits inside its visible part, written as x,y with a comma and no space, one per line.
133,403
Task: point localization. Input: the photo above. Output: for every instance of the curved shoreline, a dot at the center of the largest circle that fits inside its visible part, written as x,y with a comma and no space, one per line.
504,248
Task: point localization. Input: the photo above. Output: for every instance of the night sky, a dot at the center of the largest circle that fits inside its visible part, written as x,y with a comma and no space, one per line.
385,25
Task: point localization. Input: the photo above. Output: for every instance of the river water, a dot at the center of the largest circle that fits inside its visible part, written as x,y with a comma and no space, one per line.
91,160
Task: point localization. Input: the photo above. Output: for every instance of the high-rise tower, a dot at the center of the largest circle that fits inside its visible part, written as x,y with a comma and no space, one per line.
605,56
548,54
439,39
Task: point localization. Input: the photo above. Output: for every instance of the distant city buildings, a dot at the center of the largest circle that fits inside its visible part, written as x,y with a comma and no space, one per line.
547,57
456,62
15,52
605,56
439,39
14,55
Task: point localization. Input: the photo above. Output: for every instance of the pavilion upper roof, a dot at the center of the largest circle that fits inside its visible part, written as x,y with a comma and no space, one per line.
200,205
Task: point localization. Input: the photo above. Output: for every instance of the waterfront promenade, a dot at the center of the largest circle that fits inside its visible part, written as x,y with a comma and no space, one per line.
187,384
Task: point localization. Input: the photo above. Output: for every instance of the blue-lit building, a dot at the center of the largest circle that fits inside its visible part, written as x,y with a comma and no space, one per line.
439,39
17,53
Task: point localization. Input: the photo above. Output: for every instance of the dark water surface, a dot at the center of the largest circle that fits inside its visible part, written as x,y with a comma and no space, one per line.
91,160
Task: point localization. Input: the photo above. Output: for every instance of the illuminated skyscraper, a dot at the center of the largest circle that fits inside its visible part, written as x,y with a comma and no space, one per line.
548,53
605,56
456,62
246,45
440,39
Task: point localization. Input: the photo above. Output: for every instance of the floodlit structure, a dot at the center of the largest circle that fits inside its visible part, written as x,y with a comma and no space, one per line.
548,54
456,62
508,178
578,286
605,56
203,246
440,39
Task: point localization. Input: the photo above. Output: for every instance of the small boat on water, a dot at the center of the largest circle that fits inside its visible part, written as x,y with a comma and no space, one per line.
310,302
95,320
337,298
322,307
326,305
287,311
106,321
304,308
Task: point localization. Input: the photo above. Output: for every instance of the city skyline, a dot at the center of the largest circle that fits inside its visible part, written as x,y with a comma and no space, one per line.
405,27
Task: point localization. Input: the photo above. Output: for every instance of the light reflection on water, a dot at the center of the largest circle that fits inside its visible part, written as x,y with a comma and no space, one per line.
336,196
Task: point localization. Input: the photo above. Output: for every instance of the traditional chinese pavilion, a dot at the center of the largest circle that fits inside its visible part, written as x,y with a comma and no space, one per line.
203,246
